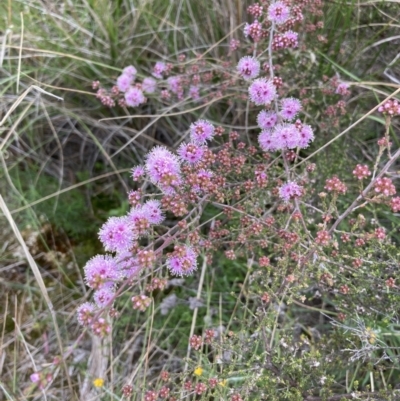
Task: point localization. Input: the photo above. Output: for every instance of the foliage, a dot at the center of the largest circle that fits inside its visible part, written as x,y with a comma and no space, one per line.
294,295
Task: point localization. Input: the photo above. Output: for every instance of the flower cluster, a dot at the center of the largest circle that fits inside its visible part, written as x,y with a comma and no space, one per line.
385,186
335,185
390,107
286,136
183,261
361,171
290,190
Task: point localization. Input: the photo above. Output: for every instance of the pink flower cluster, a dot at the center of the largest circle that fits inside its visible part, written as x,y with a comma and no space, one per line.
278,12
286,136
163,169
361,171
267,119
121,235
323,237
248,67
289,108
262,91
183,261
255,10
335,185
290,190
253,30
385,186
201,131
390,107
342,89
395,204
159,69
286,40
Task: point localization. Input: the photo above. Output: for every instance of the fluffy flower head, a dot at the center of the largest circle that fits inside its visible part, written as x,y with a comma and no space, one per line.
149,85
286,136
163,168
262,91
306,136
201,131
267,141
248,67
266,119
116,234
130,71
134,97
278,12
159,69
103,296
137,173
289,108
183,261
175,84
290,190
124,82
190,152
101,271
85,313
152,211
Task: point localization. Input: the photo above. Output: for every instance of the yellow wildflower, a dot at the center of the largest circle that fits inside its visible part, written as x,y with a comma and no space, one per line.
198,371
222,383
371,335
98,382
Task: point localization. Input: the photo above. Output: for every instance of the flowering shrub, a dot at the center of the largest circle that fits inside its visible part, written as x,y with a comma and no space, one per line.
300,245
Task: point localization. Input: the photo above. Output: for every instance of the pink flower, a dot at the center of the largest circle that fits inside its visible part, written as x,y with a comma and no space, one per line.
395,204
253,30
290,39
137,173
248,67
204,177
159,69
183,262
124,82
342,89
278,12
127,264
131,71
163,169
262,91
149,85
289,108
35,377
190,152
85,313
361,171
306,135
234,44
139,220
290,190
103,296
201,131
100,270
385,186
194,92
266,119
175,85
152,211
286,136
116,234
134,97
267,141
